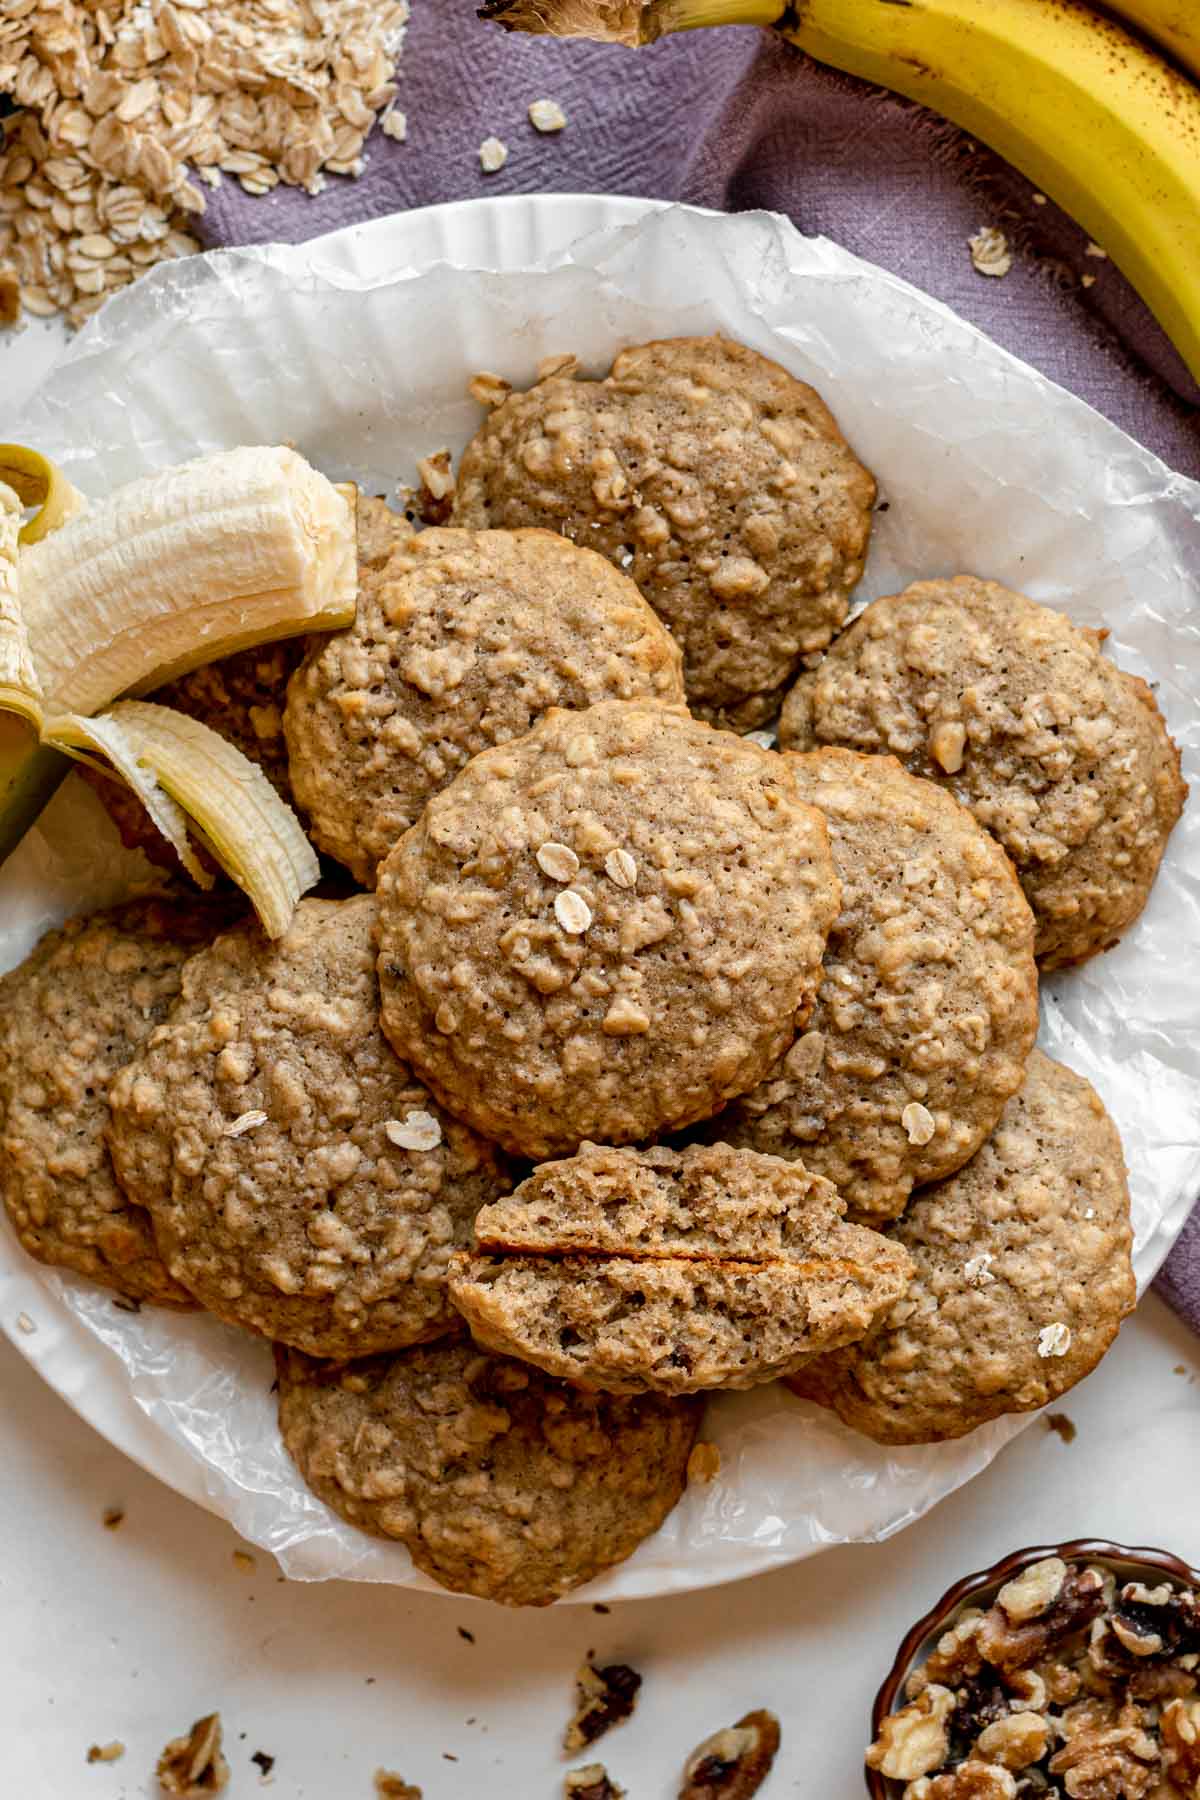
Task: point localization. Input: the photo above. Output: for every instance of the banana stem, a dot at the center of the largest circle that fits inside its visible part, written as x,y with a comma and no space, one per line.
630,22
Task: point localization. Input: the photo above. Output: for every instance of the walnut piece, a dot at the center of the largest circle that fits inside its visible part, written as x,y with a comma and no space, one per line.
914,1740
1180,1729
970,1781
603,1698
1015,1741
734,1763
1034,1590
193,1765
1014,1645
591,1783
1108,1753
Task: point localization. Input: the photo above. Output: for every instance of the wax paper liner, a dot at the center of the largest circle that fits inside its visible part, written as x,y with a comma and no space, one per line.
984,467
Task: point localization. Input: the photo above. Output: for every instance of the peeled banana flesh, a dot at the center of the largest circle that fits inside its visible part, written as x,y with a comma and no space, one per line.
174,570
183,566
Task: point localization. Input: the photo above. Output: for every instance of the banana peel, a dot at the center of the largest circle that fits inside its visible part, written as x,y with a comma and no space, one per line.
220,554
1084,107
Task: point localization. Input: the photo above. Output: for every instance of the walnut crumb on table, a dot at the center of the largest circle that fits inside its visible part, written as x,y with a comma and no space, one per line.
106,1753
591,1783
603,1698
193,1766
733,1763
394,1787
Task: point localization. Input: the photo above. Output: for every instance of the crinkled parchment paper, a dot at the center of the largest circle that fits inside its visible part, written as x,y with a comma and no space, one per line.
985,467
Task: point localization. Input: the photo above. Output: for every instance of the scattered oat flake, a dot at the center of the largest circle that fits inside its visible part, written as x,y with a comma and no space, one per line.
243,1560
493,154
621,867
1095,250
247,1121
918,1122
547,115
1087,281
113,1518
990,252
1054,1340
394,124
572,912
704,1464
1039,199
106,1752
26,1324
558,861
416,1131
1062,1426
393,1787
978,1269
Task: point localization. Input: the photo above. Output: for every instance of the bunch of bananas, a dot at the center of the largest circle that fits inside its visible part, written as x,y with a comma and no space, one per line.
1104,118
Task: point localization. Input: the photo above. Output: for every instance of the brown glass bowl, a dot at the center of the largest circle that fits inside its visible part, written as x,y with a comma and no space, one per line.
980,1590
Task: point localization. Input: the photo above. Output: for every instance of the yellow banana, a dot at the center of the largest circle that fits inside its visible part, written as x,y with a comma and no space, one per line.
1175,24
1082,107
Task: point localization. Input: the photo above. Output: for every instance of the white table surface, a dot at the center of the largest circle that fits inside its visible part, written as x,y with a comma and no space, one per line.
131,1634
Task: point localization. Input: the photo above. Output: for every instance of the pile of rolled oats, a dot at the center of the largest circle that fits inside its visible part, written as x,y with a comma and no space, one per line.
119,103
1070,1684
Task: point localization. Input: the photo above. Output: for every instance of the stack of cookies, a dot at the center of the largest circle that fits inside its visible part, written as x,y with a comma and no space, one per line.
621,1058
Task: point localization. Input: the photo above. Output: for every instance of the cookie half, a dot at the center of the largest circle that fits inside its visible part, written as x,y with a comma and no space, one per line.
638,1271
1023,1277
717,481
604,929
501,1483
1058,753
462,640
72,1016
927,1010
301,1181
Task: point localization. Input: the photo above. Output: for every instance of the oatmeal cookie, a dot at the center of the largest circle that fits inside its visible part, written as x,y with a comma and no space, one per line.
71,1016
1010,706
605,929
671,1272
501,1483
463,639
242,697
1023,1277
928,1004
301,1181
718,482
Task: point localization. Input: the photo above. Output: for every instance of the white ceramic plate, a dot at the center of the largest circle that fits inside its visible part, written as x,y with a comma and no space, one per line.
358,347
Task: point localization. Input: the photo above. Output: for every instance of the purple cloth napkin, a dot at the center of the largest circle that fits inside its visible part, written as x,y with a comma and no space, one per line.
735,119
